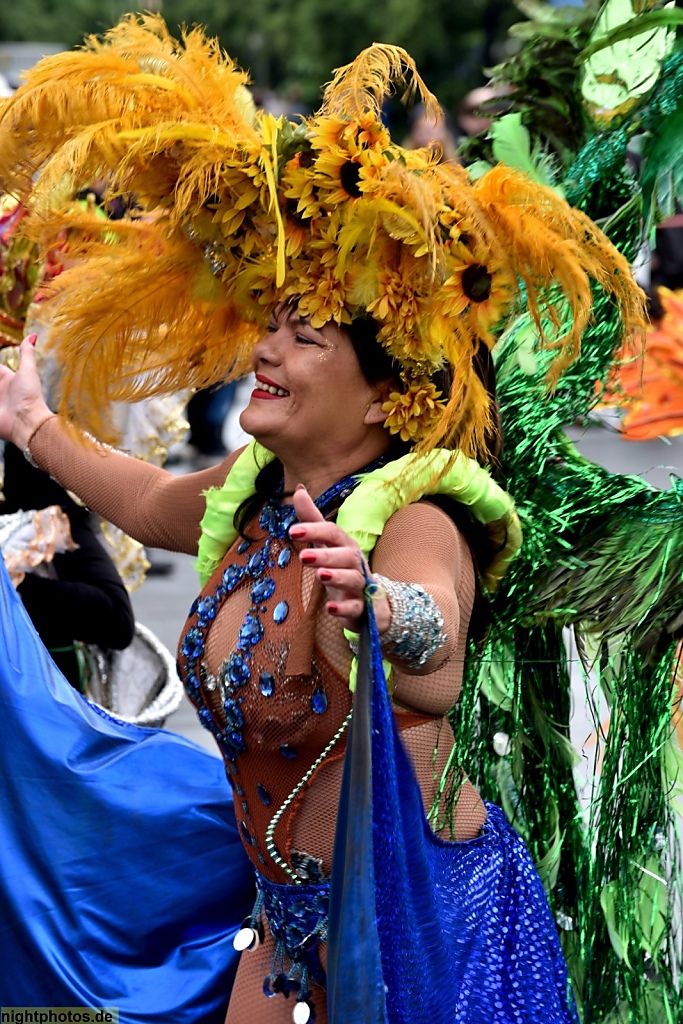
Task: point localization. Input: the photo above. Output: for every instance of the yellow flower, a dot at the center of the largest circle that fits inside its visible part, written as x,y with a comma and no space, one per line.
413,413
348,157
297,231
404,315
319,293
299,186
480,287
367,132
340,179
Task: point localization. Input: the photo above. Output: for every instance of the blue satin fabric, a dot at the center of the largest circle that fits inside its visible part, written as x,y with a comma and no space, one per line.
463,930
122,876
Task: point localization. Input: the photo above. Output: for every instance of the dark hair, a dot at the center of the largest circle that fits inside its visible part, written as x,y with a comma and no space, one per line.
377,365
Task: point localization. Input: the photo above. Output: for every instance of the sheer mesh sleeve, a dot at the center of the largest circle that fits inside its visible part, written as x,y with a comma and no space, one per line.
421,544
153,506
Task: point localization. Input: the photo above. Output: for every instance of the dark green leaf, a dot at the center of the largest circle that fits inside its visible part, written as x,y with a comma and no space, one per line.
662,169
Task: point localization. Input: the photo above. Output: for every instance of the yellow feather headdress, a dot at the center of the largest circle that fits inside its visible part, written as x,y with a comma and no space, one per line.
243,211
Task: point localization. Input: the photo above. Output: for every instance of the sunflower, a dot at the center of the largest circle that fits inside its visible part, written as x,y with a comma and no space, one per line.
364,133
347,157
480,287
340,178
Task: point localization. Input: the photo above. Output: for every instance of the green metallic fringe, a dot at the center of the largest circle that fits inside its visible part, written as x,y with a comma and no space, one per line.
603,556
602,563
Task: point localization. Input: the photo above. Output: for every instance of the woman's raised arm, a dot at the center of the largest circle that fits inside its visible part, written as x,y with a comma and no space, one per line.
153,506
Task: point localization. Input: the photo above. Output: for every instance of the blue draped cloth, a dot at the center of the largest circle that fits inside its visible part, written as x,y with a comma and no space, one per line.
123,879
122,876
422,930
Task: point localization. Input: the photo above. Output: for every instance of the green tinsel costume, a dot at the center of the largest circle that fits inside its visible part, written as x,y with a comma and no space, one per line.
602,553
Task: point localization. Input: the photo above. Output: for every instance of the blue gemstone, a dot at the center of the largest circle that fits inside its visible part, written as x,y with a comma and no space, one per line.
319,701
277,519
281,612
262,590
251,630
242,546
204,716
238,670
263,794
284,558
232,575
258,562
233,714
289,752
233,744
266,684
193,608
206,610
191,685
245,832
193,644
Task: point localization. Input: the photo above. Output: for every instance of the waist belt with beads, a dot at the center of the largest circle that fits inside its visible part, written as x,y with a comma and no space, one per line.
297,920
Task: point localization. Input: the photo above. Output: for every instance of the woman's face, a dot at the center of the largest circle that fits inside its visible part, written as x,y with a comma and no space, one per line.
310,393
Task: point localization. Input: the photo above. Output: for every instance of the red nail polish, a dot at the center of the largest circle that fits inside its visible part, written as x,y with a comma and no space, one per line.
32,339
297,531
325,574
334,608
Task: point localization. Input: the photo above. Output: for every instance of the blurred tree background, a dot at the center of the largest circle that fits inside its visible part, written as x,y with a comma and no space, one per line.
291,46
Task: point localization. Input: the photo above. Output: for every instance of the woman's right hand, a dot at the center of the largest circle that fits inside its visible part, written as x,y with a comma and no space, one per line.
22,406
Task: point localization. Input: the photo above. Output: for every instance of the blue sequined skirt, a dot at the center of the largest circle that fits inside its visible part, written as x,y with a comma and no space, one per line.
490,917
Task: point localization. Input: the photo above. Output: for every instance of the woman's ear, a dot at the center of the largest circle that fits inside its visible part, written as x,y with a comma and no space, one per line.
375,414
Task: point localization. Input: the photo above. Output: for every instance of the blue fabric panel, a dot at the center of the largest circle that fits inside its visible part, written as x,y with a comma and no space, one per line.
355,985
122,876
465,930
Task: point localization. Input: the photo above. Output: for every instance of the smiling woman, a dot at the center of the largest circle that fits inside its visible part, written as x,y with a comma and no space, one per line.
312,406
370,479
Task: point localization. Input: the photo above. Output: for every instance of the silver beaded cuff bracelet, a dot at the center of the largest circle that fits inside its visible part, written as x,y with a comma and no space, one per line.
416,630
29,458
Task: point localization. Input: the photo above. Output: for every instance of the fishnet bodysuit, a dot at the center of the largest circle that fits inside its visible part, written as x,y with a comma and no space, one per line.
420,544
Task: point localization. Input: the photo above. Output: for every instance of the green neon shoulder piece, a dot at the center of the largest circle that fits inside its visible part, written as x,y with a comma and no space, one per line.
366,511
217,526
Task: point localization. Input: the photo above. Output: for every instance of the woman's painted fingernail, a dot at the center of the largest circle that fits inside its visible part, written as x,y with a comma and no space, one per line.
325,574
333,608
297,531
32,339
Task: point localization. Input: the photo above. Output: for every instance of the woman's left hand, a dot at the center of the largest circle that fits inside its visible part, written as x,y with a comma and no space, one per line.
339,564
